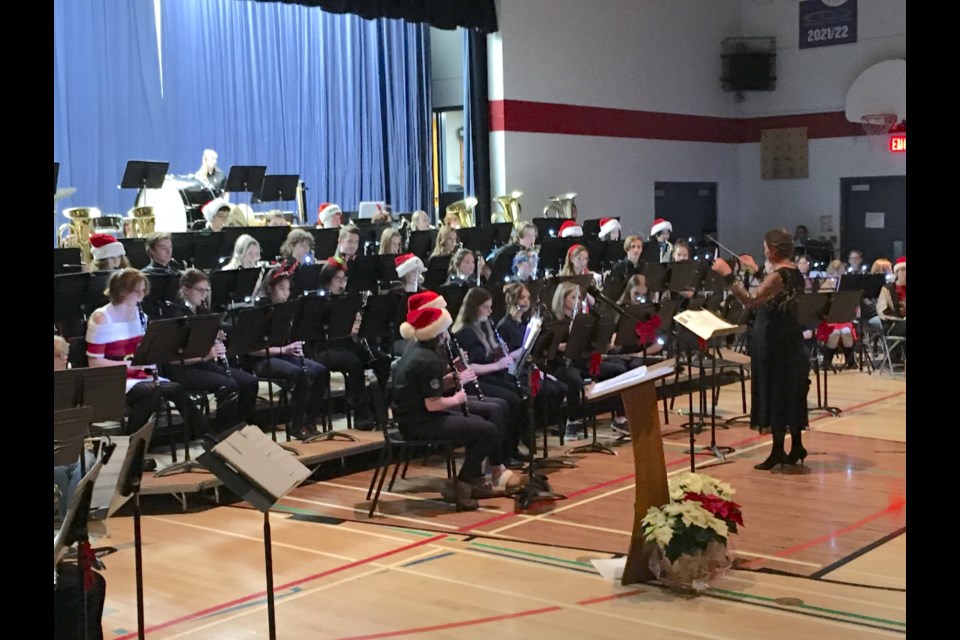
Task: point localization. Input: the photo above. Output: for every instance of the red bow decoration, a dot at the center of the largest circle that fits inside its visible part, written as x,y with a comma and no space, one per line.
284,271
138,374
595,360
647,331
702,344
535,382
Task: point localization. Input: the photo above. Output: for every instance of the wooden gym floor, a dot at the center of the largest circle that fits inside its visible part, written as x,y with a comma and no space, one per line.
823,552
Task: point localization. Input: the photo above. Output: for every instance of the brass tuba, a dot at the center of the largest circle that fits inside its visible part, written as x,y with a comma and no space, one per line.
510,204
561,206
139,223
463,209
76,233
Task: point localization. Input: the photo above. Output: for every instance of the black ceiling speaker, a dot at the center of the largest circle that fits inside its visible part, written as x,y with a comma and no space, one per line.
749,64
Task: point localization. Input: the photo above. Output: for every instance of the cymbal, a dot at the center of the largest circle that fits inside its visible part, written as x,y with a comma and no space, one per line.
66,192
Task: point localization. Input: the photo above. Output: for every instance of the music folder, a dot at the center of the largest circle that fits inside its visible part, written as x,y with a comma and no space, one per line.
705,324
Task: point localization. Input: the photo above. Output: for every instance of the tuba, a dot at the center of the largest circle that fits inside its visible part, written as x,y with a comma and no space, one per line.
510,204
463,209
561,206
139,223
76,233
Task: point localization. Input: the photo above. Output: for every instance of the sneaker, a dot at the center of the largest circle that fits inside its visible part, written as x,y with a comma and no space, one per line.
574,431
620,426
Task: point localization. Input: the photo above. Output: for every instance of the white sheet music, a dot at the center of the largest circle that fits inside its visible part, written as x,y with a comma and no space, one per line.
628,379
703,323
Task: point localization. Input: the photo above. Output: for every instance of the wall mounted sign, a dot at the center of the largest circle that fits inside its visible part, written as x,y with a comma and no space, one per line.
824,23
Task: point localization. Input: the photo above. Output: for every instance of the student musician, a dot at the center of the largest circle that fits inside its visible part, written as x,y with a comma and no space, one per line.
410,271
215,215
420,221
297,249
810,284
660,234
492,362
329,216
391,242
446,241
235,389
246,254
609,230
348,245
113,333
306,379
525,264
423,411
108,253
855,262
159,245
575,264
636,293
565,307
350,354
523,238
463,269
630,265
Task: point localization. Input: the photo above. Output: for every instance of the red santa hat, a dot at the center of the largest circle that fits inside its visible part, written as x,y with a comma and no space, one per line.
901,262
407,263
660,224
425,324
103,246
426,300
608,226
570,229
210,209
326,211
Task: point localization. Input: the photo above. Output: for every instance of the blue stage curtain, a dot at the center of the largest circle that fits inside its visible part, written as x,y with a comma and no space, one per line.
340,100
476,124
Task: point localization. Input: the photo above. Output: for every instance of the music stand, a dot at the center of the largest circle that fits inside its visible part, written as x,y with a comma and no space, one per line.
549,286
173,341
142,174
436,273
421,243
706,327
540,344
581,344
102,389
364,274
548,227
501,264
245,178
684,276
69,297
552,253
810,311
164,288
278,188
232,287
869,283
324,242
843,309
67,260
253,466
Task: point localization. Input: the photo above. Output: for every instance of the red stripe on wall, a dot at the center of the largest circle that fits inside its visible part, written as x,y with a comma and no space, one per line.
567,119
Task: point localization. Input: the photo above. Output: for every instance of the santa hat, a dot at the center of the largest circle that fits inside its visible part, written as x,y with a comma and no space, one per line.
608,226
210,209
326,211
659,225
103,246
570,229
901,262
425,324
337,263
407,263
425,300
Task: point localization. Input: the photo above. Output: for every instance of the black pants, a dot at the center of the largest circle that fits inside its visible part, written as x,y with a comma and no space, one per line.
573,377
146,398
494,411
307,382
352,361
478,436
236,392
518,423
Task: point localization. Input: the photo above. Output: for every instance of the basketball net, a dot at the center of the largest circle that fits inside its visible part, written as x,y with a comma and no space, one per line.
878,124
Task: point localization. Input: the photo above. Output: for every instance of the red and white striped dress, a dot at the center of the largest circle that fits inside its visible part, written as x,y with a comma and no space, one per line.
116,339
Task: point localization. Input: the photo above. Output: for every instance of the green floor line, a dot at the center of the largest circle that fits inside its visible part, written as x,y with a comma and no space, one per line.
532,555
811,607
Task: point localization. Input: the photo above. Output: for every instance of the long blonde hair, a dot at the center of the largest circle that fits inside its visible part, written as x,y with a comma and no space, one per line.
386,239
240,248
563,290
442,234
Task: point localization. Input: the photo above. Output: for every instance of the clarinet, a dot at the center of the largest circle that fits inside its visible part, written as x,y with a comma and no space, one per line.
465,361
456,375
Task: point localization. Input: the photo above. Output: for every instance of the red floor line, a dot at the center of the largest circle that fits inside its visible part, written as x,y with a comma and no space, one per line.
615,596
260,594
452,625
896,506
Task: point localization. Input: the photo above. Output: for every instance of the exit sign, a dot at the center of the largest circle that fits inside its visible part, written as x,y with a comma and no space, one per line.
898,143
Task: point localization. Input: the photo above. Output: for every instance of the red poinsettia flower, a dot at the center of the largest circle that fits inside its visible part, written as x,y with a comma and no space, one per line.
723,509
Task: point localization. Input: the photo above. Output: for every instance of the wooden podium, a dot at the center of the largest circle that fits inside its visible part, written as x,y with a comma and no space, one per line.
639,395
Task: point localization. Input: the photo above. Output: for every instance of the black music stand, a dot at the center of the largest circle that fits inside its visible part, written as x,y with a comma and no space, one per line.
173,341
69,297
421,243
310,324
581,344
842,309
436,273
549,287
685,276
103,389
540,346
232,287
364,274
164,289
553,251
250,464
143,174
278,188
548,227
245,178
264,327
705,327
501,263
810,312
67,260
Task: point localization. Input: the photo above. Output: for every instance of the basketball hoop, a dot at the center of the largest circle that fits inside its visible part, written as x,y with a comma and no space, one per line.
878,124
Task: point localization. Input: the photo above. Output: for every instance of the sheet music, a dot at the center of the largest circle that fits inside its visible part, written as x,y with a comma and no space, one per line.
262,461
703,323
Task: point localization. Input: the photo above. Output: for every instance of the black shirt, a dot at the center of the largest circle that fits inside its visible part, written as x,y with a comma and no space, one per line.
172,268
512,332
419,375
624,269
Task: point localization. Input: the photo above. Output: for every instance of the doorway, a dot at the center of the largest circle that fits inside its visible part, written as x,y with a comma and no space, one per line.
873,217
691,208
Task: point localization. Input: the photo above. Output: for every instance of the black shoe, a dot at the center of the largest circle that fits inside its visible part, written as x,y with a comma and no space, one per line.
461,494
774,459
362,420
797,454
513,463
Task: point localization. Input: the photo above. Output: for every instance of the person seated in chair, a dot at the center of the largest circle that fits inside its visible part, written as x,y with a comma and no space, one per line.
246,254
215,215
235,389
423,412
108,254
159,245
297,249
410,271
446,241
306,379
329,216
463,269
525,264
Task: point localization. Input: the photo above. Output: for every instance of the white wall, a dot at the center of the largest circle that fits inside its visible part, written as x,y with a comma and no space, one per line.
664,55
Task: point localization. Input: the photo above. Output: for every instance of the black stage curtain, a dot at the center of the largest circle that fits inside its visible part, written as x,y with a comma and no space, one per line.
480,15
479,113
